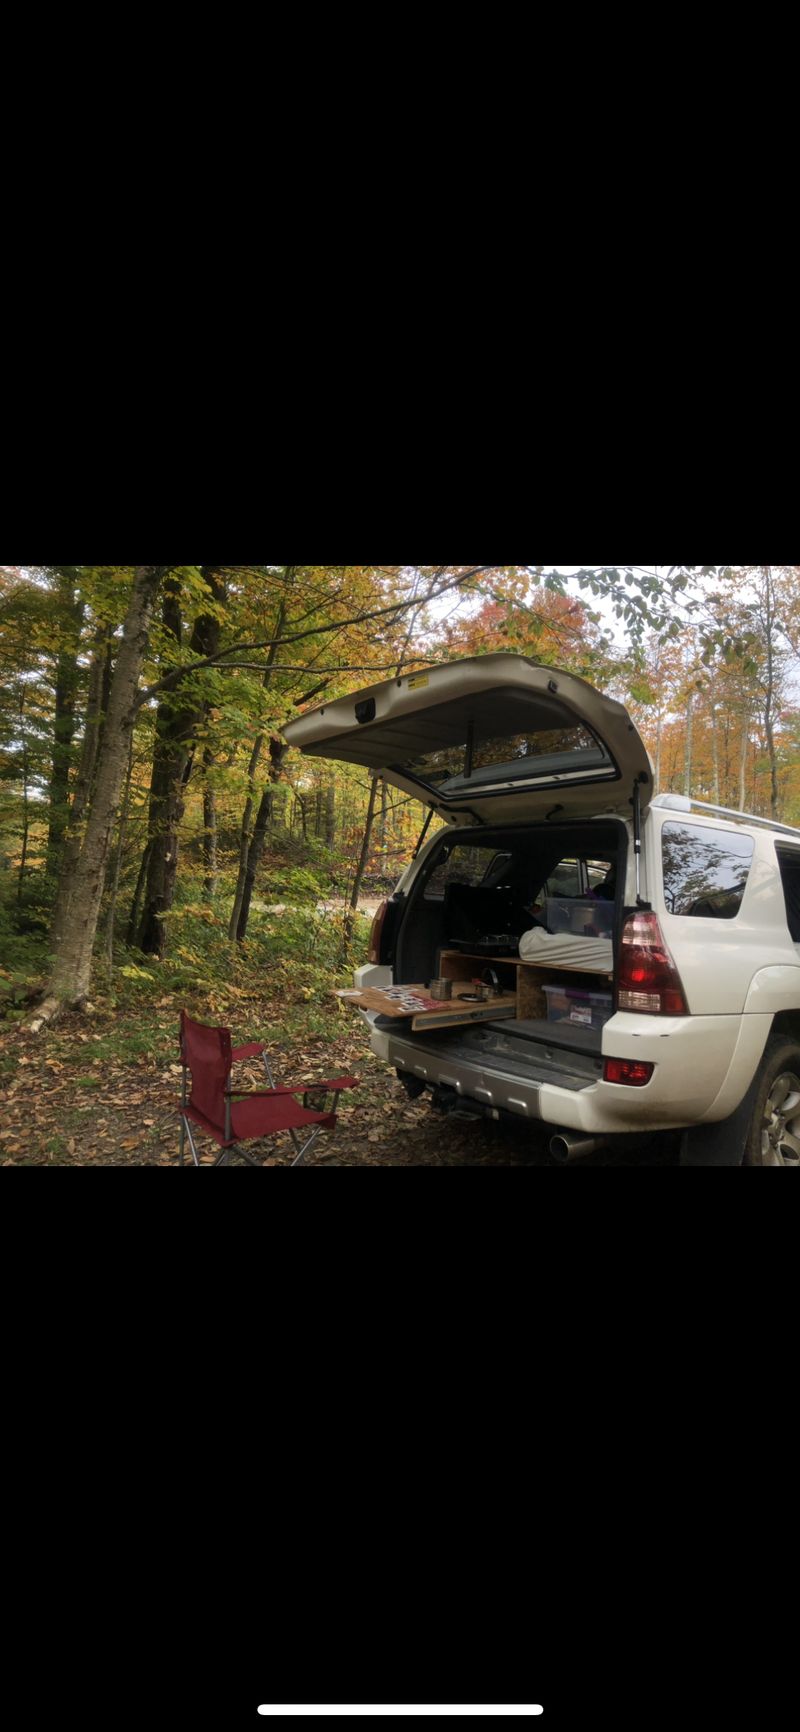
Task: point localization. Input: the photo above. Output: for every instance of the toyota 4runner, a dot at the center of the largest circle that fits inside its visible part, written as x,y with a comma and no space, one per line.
688,1017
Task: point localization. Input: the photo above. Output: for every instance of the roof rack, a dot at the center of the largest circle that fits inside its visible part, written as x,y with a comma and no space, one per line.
681,803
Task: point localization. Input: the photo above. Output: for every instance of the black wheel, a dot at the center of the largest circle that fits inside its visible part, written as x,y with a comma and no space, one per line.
773,1139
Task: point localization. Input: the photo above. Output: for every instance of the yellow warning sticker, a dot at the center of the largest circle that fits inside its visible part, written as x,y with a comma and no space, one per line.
417,681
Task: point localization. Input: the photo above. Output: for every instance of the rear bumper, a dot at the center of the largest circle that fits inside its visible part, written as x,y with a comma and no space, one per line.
692,1058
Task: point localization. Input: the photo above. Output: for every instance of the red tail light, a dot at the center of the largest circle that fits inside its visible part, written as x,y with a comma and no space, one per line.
648,978
377,933
631,1072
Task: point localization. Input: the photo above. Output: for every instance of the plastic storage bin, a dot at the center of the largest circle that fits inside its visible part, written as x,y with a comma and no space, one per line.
582,916
583,1009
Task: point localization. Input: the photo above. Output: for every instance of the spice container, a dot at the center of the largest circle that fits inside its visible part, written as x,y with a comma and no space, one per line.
441,990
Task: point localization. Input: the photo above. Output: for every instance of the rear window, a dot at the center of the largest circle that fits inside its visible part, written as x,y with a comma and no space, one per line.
705,871
546,756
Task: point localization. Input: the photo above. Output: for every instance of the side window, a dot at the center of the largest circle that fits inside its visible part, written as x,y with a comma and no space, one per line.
577,878
497,870
599,873
789,860
459,865
565,880
705,871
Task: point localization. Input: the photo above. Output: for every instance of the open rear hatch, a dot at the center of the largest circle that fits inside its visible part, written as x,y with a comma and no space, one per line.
496,742
496,739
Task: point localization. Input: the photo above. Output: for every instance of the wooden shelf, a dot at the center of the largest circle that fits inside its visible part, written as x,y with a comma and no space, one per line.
525,979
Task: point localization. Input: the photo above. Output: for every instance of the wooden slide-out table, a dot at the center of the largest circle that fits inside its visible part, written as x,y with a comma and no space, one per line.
522,995
449,1013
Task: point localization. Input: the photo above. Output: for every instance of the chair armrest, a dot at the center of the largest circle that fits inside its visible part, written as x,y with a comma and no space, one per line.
341,1082
254,1050
262,1094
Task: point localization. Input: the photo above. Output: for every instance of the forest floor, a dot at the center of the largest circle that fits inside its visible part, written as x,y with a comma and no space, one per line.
72,1098
101,1089
87,1095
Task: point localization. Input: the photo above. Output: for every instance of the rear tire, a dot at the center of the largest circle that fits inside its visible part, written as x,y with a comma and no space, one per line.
773,1138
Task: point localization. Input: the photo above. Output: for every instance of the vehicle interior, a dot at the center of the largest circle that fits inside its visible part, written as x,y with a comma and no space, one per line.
482,886
476,896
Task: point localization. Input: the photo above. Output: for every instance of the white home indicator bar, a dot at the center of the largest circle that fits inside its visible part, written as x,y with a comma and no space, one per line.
408,1709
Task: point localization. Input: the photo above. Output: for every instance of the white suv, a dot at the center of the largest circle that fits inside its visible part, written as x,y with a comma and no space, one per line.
693,1020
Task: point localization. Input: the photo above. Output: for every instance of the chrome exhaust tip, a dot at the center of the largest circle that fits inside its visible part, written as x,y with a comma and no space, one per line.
569,1147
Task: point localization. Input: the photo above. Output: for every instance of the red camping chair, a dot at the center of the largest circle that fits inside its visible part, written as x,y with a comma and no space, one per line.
233,1116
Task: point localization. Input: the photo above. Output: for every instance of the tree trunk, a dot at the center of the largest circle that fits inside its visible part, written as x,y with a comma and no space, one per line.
689,746
769,730
399,810
769,617
168,762
715,752
178,720
123,825
330,814
25,796
246,836
362,863
774,791
84,783
136,905
277,751
383,830
209,832
71,976
727,797
66,690
246,833
743,762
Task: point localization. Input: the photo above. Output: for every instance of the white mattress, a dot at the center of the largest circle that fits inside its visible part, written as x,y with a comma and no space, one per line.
567,950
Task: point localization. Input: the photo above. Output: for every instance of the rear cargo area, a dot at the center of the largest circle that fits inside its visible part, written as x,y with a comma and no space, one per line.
558,889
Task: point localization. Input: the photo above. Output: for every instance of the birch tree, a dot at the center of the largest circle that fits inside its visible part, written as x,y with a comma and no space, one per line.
72,967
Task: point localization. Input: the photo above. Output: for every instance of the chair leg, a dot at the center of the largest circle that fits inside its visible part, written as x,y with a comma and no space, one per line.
187,1127
182,1150
245,1157
306,1146
225,1157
